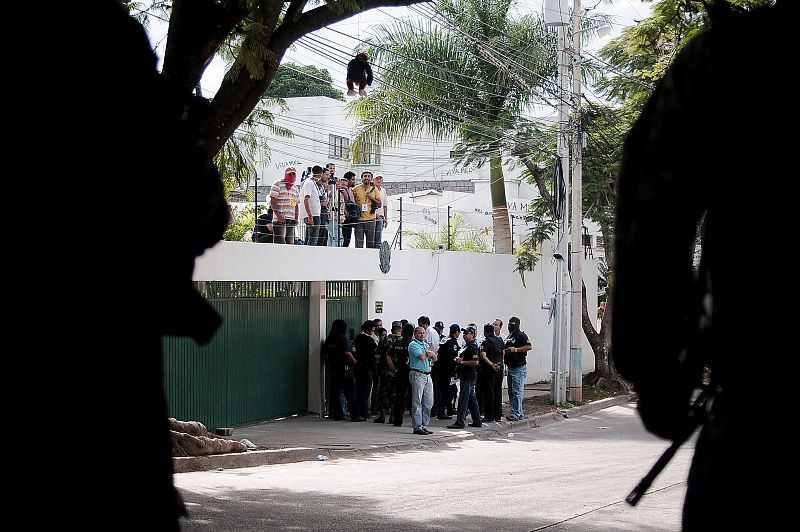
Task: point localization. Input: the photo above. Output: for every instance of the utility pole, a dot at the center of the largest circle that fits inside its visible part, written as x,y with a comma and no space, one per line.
576,336
556,14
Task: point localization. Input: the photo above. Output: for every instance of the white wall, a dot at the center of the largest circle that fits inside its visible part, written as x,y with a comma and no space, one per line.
449,286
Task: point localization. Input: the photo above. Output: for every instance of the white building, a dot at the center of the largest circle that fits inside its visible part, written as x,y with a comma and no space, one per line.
419,169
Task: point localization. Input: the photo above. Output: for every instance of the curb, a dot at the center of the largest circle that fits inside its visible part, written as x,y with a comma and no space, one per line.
188,464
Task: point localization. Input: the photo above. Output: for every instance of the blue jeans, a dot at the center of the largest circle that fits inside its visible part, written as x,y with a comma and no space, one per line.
378,232
334,234
516,389
421,399
312,231
466,398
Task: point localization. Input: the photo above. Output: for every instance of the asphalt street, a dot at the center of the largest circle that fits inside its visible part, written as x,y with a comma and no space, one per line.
572,475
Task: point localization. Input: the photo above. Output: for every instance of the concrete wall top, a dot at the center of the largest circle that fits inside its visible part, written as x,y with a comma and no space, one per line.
449,286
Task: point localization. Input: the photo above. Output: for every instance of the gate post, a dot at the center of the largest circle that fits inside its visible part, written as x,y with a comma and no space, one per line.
317,318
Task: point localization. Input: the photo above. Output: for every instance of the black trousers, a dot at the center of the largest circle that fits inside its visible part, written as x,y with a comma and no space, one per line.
491,384
443,392
342,381
364,378
400,393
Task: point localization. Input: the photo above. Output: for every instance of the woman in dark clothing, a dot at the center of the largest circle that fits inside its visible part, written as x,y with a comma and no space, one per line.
340,362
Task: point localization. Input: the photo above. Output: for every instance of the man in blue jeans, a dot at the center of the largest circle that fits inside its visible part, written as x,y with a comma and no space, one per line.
515,356
420,358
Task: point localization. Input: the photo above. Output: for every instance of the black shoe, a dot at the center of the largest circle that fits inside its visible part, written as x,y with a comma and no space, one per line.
428,431
420,432
487,420
444,417
398,424
356,419
455,426
476,425
512,418
379,420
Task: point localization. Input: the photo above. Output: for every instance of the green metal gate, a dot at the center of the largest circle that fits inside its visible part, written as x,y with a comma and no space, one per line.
343,301
255,368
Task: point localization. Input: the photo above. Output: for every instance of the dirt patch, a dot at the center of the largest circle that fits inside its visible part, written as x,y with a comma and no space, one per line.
543,404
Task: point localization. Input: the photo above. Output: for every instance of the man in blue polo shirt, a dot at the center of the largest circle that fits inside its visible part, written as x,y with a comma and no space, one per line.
420,358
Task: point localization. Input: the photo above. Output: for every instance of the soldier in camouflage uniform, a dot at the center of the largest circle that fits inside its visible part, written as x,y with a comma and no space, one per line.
387,367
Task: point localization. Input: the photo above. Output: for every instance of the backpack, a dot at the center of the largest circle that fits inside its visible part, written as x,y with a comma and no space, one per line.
352,211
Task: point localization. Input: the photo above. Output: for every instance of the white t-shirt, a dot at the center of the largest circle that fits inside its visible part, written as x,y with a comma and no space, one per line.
432,337
384,203
313,192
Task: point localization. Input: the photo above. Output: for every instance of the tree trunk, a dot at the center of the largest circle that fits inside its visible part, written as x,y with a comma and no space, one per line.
501,225
604,374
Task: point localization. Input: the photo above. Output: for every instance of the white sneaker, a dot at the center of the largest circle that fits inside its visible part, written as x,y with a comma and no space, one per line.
351,92
362,92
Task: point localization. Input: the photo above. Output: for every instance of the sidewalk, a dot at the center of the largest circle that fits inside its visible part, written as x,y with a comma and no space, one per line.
302,438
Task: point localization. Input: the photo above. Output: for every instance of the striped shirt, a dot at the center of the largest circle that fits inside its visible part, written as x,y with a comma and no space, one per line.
285,198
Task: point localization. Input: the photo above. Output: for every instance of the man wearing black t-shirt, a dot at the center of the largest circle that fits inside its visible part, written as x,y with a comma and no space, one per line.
515,355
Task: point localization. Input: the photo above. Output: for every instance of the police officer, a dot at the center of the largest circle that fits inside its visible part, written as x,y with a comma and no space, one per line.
388,373
465,367
491,351
448,351
400,361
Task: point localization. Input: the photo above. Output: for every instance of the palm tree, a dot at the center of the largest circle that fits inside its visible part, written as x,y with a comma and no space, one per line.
469,71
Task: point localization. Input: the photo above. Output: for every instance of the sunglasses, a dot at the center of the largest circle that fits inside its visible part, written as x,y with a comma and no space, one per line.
291,173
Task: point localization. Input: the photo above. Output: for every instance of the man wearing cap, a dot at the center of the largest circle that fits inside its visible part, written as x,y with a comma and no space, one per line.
465,366
445,367
368,201
420,357
515,353
284,198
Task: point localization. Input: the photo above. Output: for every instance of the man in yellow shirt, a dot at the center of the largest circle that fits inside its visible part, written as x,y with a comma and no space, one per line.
369,201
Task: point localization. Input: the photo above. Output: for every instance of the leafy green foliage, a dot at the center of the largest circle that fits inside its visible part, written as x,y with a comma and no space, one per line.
468,72
247,148
292,81
244,220
461,237
641,55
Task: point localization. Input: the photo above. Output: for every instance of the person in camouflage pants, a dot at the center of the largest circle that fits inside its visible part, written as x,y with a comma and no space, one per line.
387,367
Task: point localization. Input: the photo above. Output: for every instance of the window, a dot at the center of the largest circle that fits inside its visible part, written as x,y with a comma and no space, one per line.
338,147
370,156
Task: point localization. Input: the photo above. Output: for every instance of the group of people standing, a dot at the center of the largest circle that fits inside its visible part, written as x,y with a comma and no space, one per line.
330,208
413,368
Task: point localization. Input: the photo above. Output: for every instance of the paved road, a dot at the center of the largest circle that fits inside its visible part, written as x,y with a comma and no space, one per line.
571,475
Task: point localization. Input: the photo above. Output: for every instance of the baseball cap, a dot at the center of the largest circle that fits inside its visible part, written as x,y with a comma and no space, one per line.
514,320
470,329
438,325
454,328
290,169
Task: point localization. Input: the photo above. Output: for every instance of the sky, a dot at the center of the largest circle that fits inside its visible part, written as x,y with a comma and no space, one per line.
330,47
